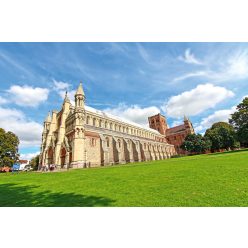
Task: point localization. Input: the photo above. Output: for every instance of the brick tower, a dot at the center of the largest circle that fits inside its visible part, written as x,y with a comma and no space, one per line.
158,122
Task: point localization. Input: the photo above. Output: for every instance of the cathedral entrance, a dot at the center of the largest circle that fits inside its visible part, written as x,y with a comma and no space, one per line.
62,156
50,156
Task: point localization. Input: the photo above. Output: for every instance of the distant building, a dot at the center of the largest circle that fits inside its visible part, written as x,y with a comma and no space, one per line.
174,135
80,136
23,163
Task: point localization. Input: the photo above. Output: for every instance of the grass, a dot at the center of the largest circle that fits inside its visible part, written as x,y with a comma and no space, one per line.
204,180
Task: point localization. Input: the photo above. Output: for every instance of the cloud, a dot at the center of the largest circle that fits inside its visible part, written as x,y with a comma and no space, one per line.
59,85
177,122
143,53
28,95
14,63
62,87
133,113
220,115
238,65
29,132
3,100
189,58
195,101
190,75
153,62
29,156
235,67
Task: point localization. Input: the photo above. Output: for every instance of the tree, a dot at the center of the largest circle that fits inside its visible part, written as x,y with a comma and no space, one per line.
239,121
34,162
221,135
196,143
8,148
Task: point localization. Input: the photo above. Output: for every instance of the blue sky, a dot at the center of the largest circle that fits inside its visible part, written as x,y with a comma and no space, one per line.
205,81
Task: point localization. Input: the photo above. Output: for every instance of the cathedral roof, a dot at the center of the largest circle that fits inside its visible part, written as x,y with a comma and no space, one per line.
176,129
120,119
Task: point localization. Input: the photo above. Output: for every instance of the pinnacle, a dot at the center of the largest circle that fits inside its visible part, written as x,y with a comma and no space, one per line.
48,119
66,98
80,90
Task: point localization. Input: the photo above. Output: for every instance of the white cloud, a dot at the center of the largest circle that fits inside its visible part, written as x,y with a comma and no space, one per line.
235,67
190,75
29,132
189,58
220,115
143,53
133,113
29,156
62,87
195,101
3,100
14,63
177,122
59,85
238,65
28,95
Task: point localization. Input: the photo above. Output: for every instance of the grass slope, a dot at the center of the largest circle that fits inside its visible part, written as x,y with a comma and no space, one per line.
205,180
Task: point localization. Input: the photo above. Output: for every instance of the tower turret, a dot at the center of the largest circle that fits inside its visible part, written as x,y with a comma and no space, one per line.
78,144
79,97
188,125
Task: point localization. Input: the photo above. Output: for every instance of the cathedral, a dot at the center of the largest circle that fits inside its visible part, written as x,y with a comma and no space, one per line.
79,136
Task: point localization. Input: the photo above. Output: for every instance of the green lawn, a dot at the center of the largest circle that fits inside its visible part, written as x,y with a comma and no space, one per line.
206,180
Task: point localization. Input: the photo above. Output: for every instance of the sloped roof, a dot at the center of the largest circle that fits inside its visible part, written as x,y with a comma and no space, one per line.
175,129
121,119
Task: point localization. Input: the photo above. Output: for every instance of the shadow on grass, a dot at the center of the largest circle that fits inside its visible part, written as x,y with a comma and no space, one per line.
12,195
235,151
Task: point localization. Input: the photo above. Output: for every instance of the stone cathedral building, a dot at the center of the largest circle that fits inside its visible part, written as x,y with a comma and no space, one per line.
80,136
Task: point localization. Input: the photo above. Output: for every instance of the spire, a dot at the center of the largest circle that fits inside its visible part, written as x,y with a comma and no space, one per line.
66,98
48,119
80,90
186,118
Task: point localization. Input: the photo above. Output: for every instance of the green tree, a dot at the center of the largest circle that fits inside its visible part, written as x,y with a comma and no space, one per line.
195,143
34,162
221,135
8,148
239,121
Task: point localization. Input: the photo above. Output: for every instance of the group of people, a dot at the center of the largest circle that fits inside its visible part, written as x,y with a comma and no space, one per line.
50,167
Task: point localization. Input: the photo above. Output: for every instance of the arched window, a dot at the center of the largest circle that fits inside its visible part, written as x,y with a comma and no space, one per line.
111,125
94,121
87,120
100,123
119,143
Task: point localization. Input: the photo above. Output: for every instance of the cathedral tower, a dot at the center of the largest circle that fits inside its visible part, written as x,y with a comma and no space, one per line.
159,123
79,154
